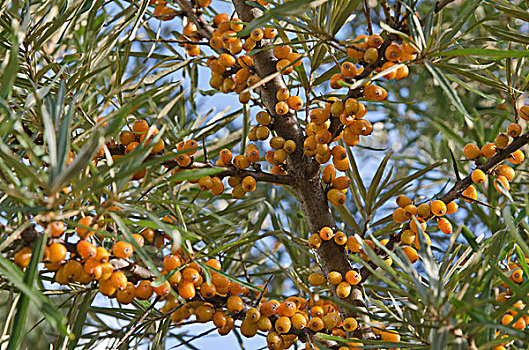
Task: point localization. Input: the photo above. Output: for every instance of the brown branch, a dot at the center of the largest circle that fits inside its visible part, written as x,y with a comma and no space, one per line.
367,12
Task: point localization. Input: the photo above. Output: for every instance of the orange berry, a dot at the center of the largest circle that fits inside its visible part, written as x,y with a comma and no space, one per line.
85,221
506,171
122,249
186,290
438,208
444,225
470,192
517,157
86,249
451,208
57,252
118,280
411,254
524,112
501,141
353,277
502,184
56,228
488,150
326,233
471,151
140,127
478,176
23,257
234,303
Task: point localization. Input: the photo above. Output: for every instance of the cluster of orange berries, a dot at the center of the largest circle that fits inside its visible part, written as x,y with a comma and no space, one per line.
130,140
352,277
408,212
511,318
502,173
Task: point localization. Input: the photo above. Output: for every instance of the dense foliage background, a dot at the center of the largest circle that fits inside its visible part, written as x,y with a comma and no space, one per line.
65,64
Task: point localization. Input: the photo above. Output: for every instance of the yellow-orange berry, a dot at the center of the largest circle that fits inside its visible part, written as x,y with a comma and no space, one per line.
444,225
353,277
471,151
478,176
122,249
438,208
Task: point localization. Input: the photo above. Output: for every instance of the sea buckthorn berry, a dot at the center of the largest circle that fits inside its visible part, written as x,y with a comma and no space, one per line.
139,239
334,277
290,146
269,33
351,106
423,210
335,81
514,130
85,221
471,151
393,52
269,308
478,176
316,279
171,262
502,184
241,161
506,171
190,275
451,208
411,254
507,319
122,249
390,335
517,275
23,257
427,239
219,319
253,314
330,320
143,290
348,69
341,165
299,321
329,173
140,126
183,160
282,94
249,184
326,233
411,210
517,157
336,197
263,118
185,289
373,92
126,295
295,102
277,142
371,55
288,308
284,66
205,183
399,216
337,108
413,225
316,324
281,108
353,277
402,72
407,237
501,141
374,40
282,51
444,225
403,201
119,280
204,313
524,112
86,249
314,241
470,192
57,252
56,228
438,208
488,150
350,324
343,290
353,244
217,188
257,34
234,303
340,238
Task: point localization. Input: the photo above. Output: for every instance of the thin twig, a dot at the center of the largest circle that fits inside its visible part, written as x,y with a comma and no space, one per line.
367,11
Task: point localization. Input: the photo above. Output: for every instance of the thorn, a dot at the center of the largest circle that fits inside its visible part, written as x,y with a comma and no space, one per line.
477,202
454,164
